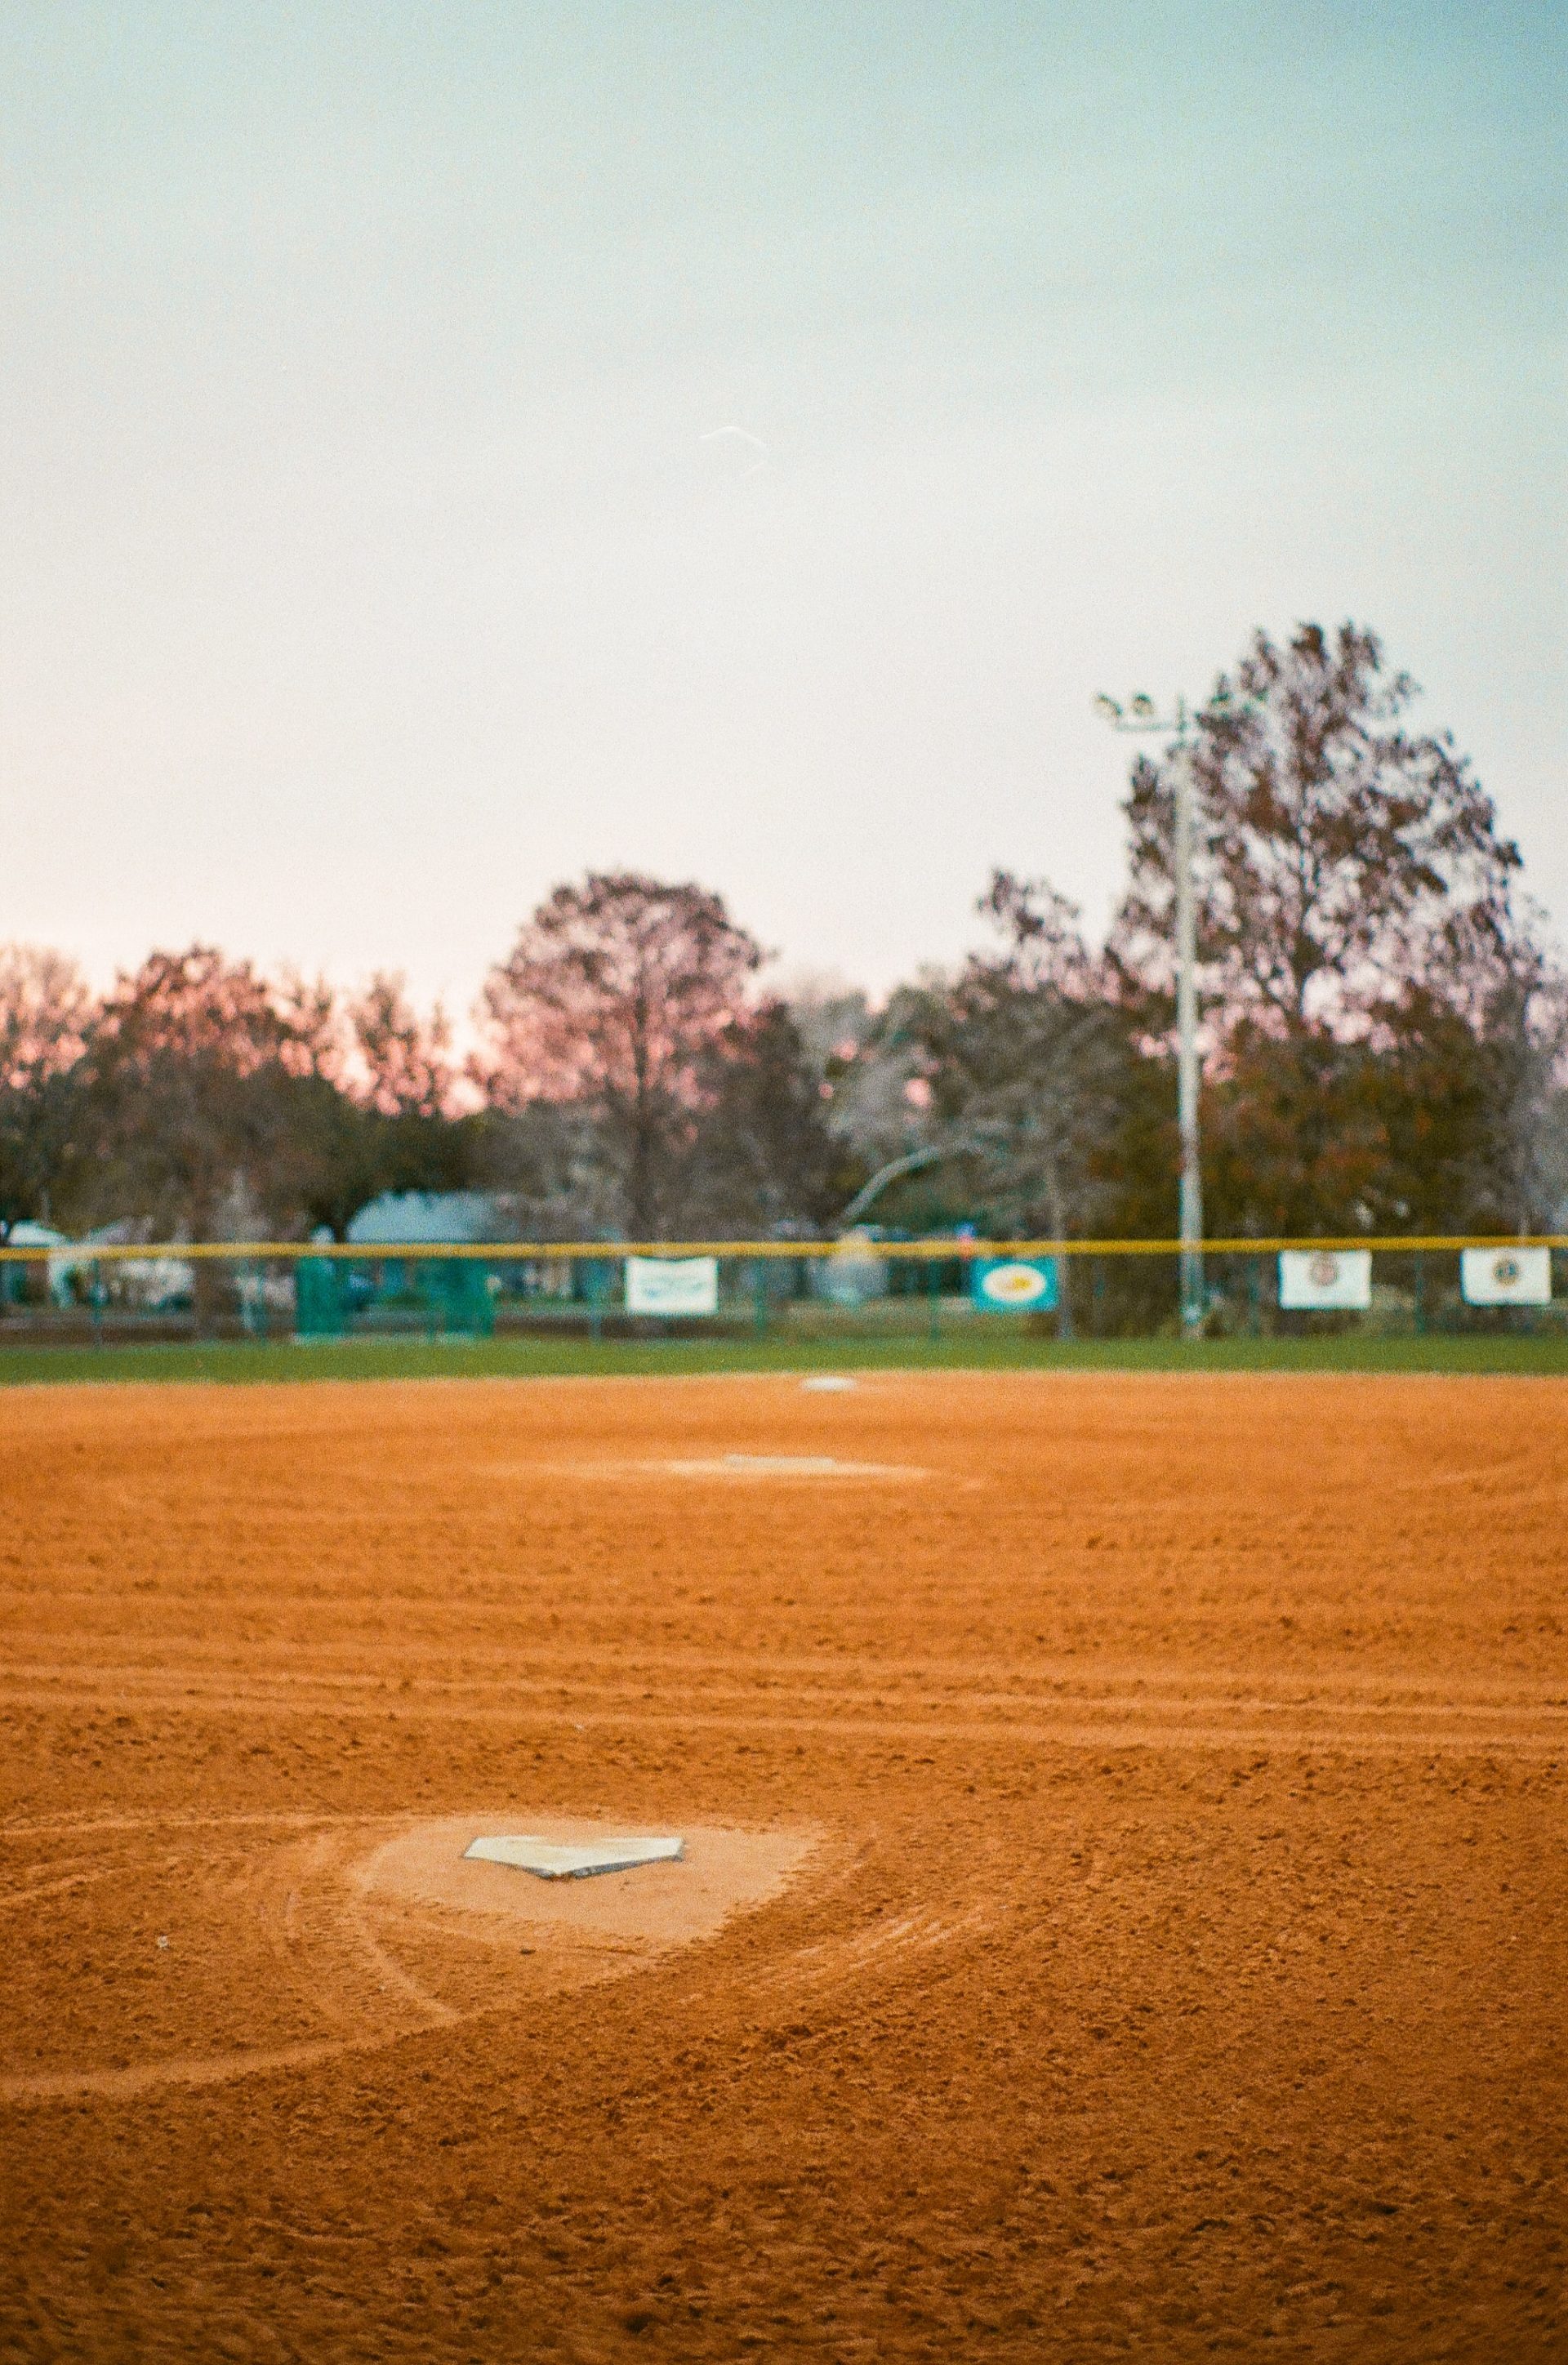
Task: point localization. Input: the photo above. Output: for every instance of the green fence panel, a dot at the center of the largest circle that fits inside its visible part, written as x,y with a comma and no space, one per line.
320,1305
458,1296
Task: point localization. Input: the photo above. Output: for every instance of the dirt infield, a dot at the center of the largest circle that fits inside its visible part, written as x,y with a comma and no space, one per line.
1124,1910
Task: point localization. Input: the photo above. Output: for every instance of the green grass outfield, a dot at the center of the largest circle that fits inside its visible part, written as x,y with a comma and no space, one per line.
1004,1350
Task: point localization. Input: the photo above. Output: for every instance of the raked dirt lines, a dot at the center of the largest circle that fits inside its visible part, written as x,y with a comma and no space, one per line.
351,1908
1307,1714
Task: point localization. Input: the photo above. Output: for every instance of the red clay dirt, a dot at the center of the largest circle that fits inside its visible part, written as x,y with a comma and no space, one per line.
1124,1910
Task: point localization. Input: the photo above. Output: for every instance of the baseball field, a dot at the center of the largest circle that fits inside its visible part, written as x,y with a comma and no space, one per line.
1124,1910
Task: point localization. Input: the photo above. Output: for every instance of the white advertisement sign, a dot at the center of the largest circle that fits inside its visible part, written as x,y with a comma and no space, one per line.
1506,1277
1326,1281
672,1284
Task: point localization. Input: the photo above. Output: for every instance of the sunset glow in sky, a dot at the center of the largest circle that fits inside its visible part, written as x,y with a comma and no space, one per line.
374,550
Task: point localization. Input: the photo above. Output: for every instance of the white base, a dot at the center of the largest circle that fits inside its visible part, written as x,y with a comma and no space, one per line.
572,1860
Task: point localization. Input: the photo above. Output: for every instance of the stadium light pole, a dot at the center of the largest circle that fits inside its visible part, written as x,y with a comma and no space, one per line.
1141,714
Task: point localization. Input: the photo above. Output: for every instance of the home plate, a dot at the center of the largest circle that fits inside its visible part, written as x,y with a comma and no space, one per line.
572,1860
466,1867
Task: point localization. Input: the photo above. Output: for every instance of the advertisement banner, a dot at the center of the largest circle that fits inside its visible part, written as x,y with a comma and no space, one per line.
1014,1284
672,1284
1506,1277
1326,1281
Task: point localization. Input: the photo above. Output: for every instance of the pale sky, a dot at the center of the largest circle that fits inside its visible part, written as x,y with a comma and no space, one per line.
370,558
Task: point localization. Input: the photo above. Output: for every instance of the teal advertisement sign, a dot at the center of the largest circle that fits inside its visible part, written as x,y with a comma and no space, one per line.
1014,1284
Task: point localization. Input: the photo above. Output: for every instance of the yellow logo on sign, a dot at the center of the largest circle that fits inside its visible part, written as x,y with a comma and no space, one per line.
1014,1284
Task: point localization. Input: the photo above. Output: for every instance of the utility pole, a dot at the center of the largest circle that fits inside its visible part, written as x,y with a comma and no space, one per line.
1141,714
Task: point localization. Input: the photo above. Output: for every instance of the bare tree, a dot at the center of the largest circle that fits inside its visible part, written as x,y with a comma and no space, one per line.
187,1087
1334,848
1027,1058
1379,1009
611,1001
404,1062
763,1160
874,1101
185,1066
371,1094
46,1015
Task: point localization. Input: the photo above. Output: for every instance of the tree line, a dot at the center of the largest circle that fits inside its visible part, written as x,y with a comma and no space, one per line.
1385,1032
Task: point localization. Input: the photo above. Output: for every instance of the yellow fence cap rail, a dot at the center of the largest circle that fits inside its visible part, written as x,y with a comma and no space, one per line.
609,1252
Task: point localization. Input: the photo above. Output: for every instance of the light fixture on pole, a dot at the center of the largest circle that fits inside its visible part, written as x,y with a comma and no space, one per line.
1140,713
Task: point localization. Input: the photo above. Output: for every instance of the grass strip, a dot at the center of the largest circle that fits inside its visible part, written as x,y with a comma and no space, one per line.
246,1362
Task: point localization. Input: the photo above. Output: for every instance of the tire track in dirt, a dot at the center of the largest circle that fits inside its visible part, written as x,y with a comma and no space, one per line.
1086,1721
289,1899
213,1677
320,1894
188,2069
183,1659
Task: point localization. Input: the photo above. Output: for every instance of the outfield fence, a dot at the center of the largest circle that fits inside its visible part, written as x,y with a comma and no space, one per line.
856,1286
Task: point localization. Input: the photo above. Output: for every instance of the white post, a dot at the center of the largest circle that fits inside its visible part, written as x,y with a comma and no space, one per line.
1142,714
1192,1205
